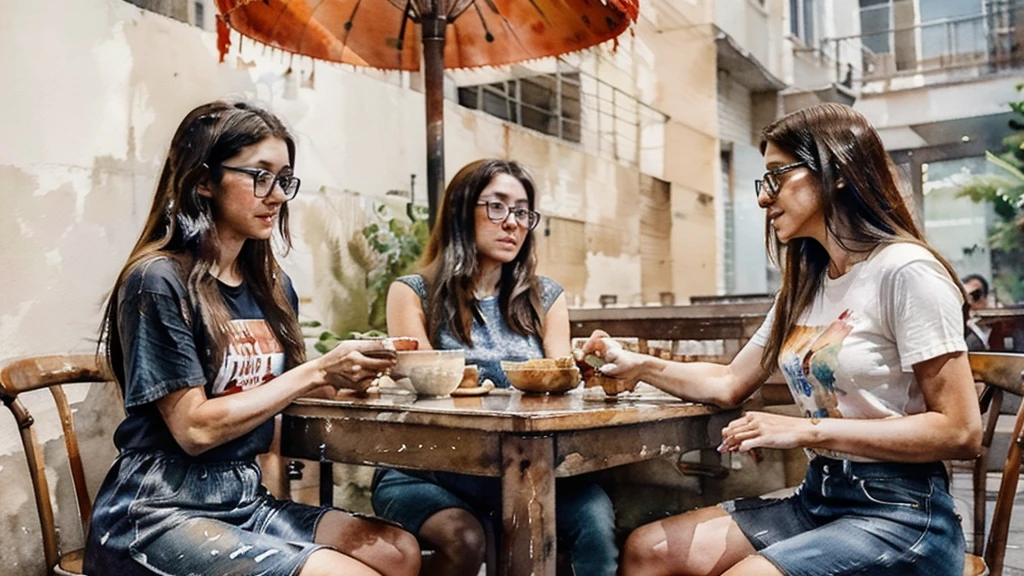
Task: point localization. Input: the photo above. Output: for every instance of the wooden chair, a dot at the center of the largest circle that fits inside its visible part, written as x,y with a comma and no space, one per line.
1001,373
34,373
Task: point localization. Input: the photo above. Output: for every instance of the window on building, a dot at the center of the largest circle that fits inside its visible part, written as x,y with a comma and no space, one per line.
875,25
547,103
948,29
177,9
727,246
200,15
803,20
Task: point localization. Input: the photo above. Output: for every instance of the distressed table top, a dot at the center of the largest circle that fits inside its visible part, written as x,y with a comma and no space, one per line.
506,410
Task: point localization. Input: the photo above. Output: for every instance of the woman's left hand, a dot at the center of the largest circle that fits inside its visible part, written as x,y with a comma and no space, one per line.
766,430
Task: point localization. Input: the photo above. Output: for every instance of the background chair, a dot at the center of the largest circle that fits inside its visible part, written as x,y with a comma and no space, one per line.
52,372
1001,373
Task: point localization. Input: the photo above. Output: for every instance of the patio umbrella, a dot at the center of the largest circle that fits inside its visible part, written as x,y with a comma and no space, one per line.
395,34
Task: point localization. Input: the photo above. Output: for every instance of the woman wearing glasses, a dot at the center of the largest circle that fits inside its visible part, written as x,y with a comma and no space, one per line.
478,291
201,332
868,331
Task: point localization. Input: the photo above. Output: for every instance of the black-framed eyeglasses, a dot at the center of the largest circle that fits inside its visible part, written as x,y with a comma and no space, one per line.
976,295
770,181
263,181
499,211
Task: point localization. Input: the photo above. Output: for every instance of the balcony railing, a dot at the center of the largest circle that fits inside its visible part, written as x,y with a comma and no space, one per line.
938,51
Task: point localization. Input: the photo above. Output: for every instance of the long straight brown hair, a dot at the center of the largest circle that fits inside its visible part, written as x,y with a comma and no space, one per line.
839,146
450,267
181,226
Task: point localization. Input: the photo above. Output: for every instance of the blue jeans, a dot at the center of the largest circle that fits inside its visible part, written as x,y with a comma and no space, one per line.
584,517
167,514
851,518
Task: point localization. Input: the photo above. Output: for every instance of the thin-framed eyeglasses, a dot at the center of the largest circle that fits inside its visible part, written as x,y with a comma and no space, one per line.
263,181
499,211
770,181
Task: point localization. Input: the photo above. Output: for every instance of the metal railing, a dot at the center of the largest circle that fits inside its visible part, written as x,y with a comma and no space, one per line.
941,50
575,107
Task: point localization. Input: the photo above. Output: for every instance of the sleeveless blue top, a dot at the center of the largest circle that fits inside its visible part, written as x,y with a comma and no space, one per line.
493,339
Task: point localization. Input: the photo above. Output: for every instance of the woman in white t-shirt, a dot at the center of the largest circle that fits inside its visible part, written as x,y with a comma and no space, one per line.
868,330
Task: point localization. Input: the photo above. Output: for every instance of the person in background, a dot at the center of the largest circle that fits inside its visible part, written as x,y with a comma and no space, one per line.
202,334
868,331
977,336
478,290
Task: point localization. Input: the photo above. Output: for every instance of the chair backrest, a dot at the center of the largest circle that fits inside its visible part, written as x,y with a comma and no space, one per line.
34,373
1002,373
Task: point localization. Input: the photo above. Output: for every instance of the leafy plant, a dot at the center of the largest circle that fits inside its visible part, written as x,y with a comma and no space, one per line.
1005,191
327,340
399,243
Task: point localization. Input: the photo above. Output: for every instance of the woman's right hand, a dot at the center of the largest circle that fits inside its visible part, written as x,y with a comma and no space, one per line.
355,364
619,362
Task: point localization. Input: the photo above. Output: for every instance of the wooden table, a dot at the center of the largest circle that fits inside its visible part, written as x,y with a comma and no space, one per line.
526,440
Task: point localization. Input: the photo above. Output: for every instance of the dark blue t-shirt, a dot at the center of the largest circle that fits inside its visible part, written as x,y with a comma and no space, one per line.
166,349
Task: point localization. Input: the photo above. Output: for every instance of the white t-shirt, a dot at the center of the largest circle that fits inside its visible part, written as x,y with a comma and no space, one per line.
852,353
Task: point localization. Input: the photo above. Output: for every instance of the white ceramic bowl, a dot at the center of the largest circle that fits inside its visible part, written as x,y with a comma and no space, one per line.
432,381
431,372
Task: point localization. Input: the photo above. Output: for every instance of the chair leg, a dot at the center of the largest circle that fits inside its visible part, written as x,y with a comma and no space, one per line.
995,548
980,475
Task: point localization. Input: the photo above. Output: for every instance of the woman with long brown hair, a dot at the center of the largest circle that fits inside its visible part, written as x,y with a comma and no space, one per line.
478,290
201,332
868,330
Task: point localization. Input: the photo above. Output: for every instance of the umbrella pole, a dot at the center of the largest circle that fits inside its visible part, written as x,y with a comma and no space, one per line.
433,82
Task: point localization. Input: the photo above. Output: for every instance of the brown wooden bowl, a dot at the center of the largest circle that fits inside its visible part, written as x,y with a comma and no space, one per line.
533,380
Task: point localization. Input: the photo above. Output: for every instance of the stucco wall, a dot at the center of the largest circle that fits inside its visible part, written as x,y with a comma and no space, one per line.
93,91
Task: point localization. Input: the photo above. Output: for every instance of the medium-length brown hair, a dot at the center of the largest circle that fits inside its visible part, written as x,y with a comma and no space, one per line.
181,226
450,267
860,198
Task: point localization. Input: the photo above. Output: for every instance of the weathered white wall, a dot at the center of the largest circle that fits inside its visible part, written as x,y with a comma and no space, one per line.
748,23
94,89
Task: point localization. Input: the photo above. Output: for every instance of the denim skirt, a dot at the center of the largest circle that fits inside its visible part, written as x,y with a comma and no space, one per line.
850,518
159,513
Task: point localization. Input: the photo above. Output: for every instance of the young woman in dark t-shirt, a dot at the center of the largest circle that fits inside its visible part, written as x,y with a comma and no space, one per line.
202,334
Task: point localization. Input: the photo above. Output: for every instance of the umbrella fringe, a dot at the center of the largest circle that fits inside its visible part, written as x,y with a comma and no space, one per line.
602,47
224,46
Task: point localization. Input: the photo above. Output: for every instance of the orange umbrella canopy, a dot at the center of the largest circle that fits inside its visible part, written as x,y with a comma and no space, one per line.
385,33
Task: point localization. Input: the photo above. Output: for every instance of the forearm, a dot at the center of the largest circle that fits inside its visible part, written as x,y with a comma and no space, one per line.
215,421
924,437
696,381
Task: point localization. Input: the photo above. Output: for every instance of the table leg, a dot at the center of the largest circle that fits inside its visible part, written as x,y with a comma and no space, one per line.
527,506
326,483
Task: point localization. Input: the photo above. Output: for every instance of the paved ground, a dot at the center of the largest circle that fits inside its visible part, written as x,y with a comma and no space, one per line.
1015,543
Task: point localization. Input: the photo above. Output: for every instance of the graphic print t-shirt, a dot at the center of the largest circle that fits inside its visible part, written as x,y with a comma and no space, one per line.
166,349
852,353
